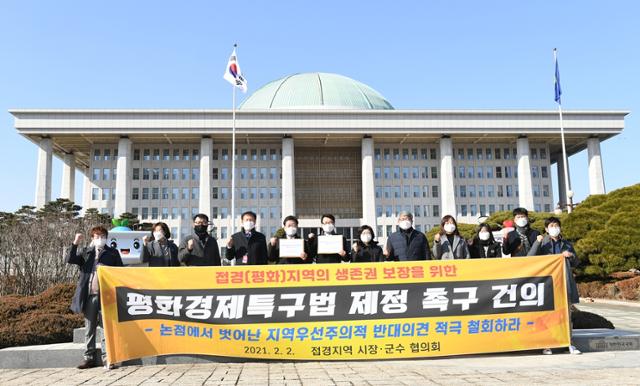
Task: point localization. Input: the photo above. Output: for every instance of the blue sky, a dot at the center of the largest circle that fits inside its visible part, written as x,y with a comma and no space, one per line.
422,54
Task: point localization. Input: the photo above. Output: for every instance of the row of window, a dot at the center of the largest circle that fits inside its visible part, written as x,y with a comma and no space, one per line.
487,210
509,172
193,193
501,190
417,210
413,172
186,174
497,153
407,191
405,154
188,154
184,213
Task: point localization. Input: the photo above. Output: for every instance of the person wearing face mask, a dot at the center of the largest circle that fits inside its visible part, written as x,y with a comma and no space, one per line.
329,228
160,252
290,225
447,243
518,242
483,244
366,249
248,246
199,248
407,243
552,243
86,299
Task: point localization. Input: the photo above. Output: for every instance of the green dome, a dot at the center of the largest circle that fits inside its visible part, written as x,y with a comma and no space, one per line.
316,90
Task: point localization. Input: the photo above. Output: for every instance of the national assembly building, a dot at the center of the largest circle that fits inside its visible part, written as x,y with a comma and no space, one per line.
309,144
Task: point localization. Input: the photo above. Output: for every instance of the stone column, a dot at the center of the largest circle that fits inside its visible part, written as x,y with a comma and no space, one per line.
123,178
43,173
204,203
562,184
447,194
288,178
596,174
67,190
525,186
368,183
86,188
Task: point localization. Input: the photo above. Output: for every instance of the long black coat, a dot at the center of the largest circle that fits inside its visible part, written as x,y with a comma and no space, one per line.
255,248
85,259
331,258
371,253
152,254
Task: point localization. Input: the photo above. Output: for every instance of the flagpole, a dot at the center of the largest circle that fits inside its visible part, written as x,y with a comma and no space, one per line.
567,182
233,160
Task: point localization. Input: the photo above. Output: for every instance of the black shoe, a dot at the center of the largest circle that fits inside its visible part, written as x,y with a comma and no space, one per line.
87,364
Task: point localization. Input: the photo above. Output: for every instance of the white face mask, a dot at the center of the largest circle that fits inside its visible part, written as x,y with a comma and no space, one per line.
484,236
158,235
522,222
248,225
365,237
449,228
328,228
553,231
291,231
404,224
99,242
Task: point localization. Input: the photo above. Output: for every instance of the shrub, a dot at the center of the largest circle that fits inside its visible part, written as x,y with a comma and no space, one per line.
41,319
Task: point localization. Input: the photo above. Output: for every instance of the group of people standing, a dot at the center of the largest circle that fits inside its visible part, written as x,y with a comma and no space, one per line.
250,247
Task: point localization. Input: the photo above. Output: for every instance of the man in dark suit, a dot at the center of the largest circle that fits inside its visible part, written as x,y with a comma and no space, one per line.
407,243
86,299
248,247
199,248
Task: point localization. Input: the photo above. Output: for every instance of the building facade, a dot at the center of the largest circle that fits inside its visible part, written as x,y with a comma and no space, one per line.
310,144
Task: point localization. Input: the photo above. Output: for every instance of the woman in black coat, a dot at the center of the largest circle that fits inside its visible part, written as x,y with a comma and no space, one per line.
483,244
366,249
160,252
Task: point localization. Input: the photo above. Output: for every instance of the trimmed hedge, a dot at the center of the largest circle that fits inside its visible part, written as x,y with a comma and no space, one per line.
41,319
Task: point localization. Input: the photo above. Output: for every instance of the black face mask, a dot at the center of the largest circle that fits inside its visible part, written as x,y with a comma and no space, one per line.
200,229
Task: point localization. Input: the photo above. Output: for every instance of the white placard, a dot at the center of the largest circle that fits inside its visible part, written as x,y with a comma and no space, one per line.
329,244
291,247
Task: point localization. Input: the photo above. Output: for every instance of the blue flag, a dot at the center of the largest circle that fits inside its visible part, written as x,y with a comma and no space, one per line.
558,90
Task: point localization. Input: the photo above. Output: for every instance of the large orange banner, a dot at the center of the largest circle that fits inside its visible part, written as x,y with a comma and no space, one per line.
337,311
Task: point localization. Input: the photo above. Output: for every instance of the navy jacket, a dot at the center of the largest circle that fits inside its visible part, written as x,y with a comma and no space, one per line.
85,259
415,248
546,248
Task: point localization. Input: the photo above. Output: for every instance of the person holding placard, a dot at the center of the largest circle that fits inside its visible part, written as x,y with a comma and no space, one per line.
290,249
329,247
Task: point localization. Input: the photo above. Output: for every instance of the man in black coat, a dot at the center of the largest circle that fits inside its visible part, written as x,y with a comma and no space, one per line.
248,247
86,299
407,243
518,242
199,248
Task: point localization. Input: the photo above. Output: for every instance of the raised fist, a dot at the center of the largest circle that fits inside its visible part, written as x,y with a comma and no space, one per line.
79,237
190,244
